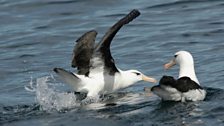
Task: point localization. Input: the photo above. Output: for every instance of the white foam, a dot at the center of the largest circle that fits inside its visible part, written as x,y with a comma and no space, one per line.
30,88
49,98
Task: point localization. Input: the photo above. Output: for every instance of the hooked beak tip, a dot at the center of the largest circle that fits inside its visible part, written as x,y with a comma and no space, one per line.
154,81
166,66
149,79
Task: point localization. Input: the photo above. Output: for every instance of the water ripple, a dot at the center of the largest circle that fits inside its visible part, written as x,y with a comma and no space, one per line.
37,36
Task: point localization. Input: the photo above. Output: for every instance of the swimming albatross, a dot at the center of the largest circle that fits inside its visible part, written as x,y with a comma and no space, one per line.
97,73
186,87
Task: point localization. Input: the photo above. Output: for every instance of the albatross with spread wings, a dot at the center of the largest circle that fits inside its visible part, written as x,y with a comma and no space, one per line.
97,73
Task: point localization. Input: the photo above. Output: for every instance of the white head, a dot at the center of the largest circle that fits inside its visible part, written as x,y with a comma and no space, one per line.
186,62
130,77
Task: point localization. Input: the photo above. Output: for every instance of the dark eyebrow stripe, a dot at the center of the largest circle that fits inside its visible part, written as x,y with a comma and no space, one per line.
136,73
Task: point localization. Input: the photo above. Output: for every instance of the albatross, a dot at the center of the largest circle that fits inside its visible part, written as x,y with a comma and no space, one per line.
96,70
186,87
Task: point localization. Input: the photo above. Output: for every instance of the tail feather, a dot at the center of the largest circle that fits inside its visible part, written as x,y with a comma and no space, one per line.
68,77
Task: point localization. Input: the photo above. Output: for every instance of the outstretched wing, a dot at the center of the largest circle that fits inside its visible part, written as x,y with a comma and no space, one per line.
83,51
103,47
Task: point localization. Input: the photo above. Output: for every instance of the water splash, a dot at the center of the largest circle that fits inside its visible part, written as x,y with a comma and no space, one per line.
49,98
30,87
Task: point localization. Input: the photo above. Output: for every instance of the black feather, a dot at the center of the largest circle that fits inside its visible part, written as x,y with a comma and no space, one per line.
182,84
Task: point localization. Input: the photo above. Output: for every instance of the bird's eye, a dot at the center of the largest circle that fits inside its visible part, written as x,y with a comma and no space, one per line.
137,73
175,56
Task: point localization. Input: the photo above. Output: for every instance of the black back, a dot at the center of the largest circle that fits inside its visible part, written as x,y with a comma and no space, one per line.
182,84
185,84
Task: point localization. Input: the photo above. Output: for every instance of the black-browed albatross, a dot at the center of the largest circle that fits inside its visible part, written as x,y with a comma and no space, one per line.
186,87
97,73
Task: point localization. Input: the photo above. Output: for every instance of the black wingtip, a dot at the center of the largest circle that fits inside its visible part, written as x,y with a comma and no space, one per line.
152,89
131,16
155,88
87,35
55,70
135,12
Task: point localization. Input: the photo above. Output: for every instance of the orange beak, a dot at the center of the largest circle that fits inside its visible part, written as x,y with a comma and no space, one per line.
170,64
148,79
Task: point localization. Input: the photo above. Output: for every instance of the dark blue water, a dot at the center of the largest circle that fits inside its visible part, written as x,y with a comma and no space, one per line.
38,35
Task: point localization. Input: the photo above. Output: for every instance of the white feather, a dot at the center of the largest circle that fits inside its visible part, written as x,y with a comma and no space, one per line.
185,60
99,83
186,63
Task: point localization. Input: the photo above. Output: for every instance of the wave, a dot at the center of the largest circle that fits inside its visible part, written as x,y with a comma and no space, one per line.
180,2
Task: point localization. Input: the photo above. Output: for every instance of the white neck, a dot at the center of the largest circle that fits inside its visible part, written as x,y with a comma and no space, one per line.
124,80
188,71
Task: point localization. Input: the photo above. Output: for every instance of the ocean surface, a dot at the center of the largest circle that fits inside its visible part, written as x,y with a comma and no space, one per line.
38,35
